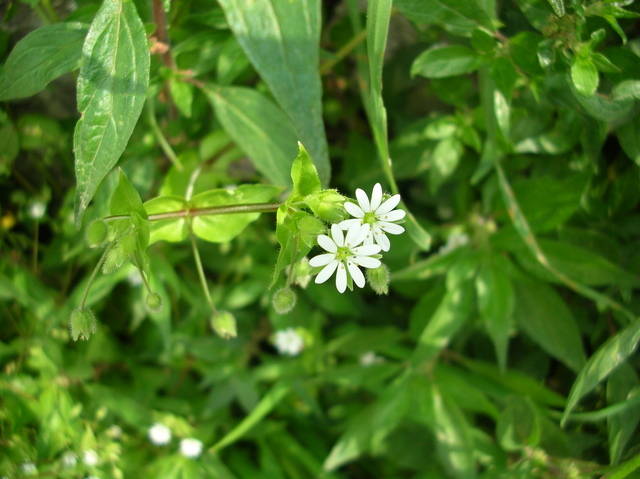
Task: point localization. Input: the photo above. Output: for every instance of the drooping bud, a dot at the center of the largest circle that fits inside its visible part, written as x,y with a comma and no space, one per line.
327,204
82,323
224,324
378,279
154,302
284,300
96,233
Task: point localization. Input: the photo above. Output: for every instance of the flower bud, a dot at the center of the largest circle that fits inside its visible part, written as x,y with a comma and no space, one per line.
311,225
327,204
154,302
378,279
82,323
224,324
96,233
284,300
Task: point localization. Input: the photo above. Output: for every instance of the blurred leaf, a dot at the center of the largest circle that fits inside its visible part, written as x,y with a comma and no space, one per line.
283,44
519,425
112,88
629,139
259,127
459,17
40,57
524,52
504,75
440,62
584,75
219,228
628,469
548,321
602,363
182,95
496,304
558,7
444,161
626,90
173,229
621,385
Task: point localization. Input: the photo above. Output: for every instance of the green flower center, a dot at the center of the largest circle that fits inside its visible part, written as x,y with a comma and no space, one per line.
343,253
369,218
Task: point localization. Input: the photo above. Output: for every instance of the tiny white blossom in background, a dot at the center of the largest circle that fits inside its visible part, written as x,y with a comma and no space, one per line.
159,434
288,342
28,468
453,242
191,448
378,215
345,255
90,458
114,432
369,359
37,210
69,459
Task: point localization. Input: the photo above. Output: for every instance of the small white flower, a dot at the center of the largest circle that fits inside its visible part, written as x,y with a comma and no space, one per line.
453,242
369,359
344,255
288,342
90,458
37,209
29,468
190,448
159,434
378,215
114,432
69,459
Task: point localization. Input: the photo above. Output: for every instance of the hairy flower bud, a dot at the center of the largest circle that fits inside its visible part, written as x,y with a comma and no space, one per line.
284,300
154,302
378,279
82,323
96,233
224,324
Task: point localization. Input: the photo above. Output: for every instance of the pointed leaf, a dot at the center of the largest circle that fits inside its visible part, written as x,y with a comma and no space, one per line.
112,88
459,17
441,62
584,75
282,41
40,57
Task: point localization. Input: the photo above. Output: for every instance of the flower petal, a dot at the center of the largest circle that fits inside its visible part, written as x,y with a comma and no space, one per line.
337,235
366,261
341,278
388,205
327,243
356,235
326,273
366,250
322,259
353,209
383,241
394,215
376,196
356,274
363,201
346,224
391,228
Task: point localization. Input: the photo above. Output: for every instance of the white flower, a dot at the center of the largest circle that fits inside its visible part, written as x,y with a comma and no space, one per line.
453,242
37,210
345,254
69,459
159,434
190,448
288,342
369,359
29,468
90,458
380,216
114,432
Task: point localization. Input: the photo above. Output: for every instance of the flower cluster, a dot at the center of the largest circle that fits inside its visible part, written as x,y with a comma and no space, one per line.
366,236
160,435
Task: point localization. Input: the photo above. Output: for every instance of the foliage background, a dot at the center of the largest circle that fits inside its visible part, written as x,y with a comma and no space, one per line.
506,345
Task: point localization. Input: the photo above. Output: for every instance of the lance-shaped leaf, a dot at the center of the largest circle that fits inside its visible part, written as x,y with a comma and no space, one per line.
459,17
40,57
282,40
112,87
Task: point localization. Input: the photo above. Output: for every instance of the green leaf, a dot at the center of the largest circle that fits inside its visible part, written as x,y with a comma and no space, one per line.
182,95
304,175
622,384
125,199
444,161
524,52
519,424
605,360
626,90
584,75
172,229
630,140
282,41
258,127
504,75
558,7
112,88
496,301
459,17
441,62
42,56
219,228
547,320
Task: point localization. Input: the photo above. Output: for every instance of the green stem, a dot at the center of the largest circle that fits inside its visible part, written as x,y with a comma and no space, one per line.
343,52
208,211
94,273
139,267
164,144
203,279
